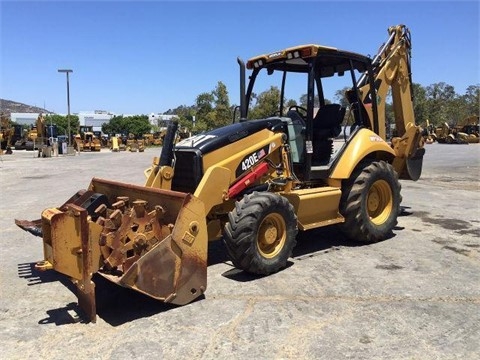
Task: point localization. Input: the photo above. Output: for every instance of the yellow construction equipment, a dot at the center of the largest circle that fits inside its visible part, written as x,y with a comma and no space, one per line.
468,129
39,136
86,140
148,139
152,139
21,137
253,183
114,144
465,131
428,133
134,144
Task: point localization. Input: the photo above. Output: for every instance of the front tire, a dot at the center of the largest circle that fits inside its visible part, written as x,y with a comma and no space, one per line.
370,202
261,233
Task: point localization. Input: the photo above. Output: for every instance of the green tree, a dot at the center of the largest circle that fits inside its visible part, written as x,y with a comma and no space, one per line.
439,95
116,125
316,101
340,97
213,109
289,103
420,104
267,104
204,105
472,99
223,115
62,123
186,115
137,125
456,110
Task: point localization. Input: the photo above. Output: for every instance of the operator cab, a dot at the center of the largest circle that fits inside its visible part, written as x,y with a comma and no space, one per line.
324,82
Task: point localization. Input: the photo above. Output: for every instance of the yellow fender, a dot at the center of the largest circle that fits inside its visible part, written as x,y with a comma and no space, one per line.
365,142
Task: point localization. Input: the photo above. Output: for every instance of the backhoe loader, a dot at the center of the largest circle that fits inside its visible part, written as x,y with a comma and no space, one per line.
254,183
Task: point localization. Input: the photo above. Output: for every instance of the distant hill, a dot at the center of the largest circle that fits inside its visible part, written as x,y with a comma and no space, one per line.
7,107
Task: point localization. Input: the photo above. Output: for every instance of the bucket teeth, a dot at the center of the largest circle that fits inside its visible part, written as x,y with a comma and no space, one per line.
139,207
101,210
116,218
125,199
119,205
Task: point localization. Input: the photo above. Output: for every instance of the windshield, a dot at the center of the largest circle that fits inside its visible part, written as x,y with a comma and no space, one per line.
273,90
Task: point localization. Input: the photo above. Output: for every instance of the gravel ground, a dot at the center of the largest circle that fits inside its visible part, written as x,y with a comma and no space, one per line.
413,296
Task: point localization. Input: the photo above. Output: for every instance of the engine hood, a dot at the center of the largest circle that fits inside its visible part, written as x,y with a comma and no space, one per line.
226,135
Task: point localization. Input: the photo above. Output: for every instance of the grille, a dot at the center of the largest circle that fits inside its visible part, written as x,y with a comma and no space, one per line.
188,171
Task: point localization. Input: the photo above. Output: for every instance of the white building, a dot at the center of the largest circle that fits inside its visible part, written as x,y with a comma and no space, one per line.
160,119
92,118
96,118
24,118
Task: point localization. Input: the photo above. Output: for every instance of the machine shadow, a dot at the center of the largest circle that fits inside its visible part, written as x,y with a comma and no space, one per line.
117,305
320,240
309,243
33,276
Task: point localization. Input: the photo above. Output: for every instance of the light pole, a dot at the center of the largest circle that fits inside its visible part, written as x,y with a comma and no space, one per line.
67,71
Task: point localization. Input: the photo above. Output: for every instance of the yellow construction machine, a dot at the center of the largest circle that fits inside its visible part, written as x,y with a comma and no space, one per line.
152,139
86,140
134,144
468,129
465,131
148,139
254,183
21,137
158,137
428,133
39,136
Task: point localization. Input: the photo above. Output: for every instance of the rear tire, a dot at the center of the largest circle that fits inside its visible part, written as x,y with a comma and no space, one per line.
261,233
370,202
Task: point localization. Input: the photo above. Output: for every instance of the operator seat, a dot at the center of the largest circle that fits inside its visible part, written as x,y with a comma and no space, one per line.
326,126
296,117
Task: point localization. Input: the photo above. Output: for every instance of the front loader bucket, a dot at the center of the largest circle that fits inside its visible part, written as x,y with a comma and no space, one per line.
150,240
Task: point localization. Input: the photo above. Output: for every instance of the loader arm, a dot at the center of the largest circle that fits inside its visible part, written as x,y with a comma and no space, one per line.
391,69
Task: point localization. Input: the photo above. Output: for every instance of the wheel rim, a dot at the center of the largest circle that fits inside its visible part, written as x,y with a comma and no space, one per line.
271,235
379,202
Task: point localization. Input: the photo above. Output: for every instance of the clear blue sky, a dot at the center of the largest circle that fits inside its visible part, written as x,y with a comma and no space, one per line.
143,57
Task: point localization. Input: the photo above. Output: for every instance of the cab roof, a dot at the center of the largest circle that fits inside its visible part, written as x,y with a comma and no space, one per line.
296,59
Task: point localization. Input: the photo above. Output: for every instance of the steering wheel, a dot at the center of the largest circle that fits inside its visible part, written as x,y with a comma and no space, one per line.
297,110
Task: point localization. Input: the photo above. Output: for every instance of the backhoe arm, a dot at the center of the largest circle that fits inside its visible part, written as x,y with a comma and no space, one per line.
391,69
